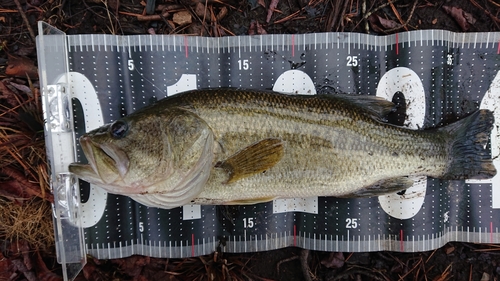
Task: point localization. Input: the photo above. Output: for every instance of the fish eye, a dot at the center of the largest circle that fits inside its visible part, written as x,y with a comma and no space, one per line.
118,129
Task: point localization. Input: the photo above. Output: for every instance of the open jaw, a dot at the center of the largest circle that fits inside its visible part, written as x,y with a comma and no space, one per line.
107,167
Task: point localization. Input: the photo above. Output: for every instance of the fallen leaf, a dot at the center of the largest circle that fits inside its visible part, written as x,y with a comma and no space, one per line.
434,21
182,18
379,24
201,11
20,67
272,7
6,266
463,18
42,272
450,250
256,28
388,24
485,277
8,95
335,260
22,88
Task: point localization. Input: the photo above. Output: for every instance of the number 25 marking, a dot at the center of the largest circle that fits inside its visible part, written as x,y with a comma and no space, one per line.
351,223
352,61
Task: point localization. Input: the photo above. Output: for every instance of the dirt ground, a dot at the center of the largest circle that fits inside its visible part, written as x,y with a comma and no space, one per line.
27,248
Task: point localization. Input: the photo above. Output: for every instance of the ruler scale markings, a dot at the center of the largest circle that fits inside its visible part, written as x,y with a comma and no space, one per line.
245,238
480,234
142,244
294,235
192,244
348,44
401,238
348,240
397,43
283,43
239,46
81,44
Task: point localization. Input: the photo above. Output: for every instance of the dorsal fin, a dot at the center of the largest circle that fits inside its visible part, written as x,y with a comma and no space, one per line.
376,107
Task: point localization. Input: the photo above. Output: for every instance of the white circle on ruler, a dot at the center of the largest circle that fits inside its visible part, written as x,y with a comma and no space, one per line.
83,90
405,80
294,82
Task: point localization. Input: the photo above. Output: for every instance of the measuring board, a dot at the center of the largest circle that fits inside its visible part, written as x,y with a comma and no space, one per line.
89,80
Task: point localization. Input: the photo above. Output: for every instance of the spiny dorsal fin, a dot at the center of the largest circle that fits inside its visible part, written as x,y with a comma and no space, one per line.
253,159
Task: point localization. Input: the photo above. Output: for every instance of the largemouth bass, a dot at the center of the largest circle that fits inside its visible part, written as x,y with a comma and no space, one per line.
231,146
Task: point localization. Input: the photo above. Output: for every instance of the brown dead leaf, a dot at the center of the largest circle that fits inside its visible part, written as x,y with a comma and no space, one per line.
335,260
450,250
182,18
20,67
8,95
272,7
42,272
382,23
463,18
201,11
256,28
6,267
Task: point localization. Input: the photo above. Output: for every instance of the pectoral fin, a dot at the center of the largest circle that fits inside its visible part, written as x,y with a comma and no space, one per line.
383,187
253,159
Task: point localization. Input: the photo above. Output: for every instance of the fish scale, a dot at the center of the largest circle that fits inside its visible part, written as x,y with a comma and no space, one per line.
457,74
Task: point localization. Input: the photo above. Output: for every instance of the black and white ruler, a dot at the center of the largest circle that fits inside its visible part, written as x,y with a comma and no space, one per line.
93,79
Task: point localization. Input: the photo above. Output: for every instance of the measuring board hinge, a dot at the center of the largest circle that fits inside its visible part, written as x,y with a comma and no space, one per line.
59,102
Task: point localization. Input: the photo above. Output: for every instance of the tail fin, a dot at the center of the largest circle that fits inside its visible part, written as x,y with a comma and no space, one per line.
469,157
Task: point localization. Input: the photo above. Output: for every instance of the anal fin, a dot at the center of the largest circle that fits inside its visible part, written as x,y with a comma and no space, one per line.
383,187
250,201
253,159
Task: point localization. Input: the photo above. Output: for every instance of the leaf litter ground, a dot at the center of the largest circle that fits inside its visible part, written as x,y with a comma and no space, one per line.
26,230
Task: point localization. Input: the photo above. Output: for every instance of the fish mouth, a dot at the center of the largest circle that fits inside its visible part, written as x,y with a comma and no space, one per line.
105,159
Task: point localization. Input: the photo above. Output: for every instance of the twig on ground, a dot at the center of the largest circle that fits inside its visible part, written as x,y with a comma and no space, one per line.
407,21
25,19
304,254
